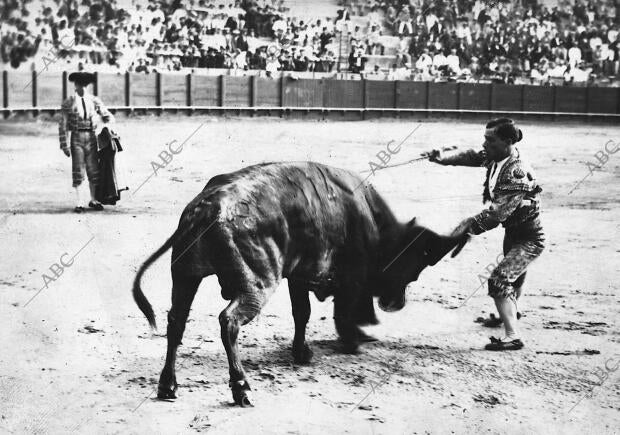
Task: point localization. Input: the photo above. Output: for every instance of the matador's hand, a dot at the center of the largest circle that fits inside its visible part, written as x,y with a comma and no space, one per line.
434,155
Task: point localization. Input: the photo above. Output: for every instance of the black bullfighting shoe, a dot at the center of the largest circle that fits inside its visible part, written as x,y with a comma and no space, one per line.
498,345
97,206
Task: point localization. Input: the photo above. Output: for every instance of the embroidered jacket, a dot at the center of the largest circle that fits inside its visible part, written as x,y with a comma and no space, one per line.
515,200
74,119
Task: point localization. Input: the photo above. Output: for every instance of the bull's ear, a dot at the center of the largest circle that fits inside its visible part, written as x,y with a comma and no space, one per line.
437,246
411,223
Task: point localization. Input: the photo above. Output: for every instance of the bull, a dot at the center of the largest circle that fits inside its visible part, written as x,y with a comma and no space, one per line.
307,222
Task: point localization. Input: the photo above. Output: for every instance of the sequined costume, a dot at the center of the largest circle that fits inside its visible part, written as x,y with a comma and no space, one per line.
514,195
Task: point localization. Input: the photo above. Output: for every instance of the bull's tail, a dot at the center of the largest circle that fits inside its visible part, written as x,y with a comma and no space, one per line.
138,296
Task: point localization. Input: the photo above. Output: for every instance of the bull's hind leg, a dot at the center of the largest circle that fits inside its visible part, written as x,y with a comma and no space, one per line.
183,291
239,312
300,301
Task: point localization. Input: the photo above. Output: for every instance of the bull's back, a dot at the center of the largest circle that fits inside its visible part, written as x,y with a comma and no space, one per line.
286,215
267,191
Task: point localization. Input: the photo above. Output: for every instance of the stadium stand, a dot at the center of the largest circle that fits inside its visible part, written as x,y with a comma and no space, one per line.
524,41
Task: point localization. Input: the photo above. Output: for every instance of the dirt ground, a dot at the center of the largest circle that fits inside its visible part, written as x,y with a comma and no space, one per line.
80,357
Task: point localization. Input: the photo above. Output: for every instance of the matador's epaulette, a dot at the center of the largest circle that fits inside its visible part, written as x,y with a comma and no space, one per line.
516,176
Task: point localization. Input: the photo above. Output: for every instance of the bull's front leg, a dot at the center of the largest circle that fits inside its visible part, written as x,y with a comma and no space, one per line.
300,302
344,318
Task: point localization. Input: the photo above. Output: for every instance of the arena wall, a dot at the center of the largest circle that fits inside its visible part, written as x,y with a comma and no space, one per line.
36,92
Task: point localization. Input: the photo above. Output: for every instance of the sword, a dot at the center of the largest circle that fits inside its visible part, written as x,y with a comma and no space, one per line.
423,156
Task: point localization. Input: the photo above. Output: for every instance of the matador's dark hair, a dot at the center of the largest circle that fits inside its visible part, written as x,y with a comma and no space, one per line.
506,129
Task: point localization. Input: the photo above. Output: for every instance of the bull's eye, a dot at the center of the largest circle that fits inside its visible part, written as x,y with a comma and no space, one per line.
426,257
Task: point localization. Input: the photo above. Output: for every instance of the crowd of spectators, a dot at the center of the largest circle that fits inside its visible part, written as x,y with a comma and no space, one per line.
151,35
506,41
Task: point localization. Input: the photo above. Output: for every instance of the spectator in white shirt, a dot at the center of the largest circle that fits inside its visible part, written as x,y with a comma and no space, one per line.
272,66
557,70
374,43
425,61
240,59
431,20
595,41
439,60
404,21
402,55
279,27
453,62
574,55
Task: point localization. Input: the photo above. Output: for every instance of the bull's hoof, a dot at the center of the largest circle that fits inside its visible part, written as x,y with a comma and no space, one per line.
166,393
365,338
302,355
351,348
240,393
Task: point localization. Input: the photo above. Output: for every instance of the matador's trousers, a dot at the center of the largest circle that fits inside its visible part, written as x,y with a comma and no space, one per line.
521,247
84,156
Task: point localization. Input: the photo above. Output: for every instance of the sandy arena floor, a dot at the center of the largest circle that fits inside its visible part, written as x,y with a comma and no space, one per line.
80,357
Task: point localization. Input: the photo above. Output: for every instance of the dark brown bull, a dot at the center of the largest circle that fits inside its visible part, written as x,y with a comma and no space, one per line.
306,222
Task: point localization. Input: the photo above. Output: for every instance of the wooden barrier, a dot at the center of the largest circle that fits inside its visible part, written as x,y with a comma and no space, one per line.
236,91
442,96
47,90
379,94
506,98
31,91
21,89
570,100
206,90
412,95
143,90
175,87
109,87
603,100
474,97
344,93
267,92
302,92
538,99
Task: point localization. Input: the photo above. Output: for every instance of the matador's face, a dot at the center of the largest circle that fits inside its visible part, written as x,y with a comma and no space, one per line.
79,89
496,148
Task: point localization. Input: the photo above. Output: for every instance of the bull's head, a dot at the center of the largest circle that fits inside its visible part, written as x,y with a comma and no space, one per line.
405,254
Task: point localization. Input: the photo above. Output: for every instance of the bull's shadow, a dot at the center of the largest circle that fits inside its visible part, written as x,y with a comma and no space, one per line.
51,210
332,350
